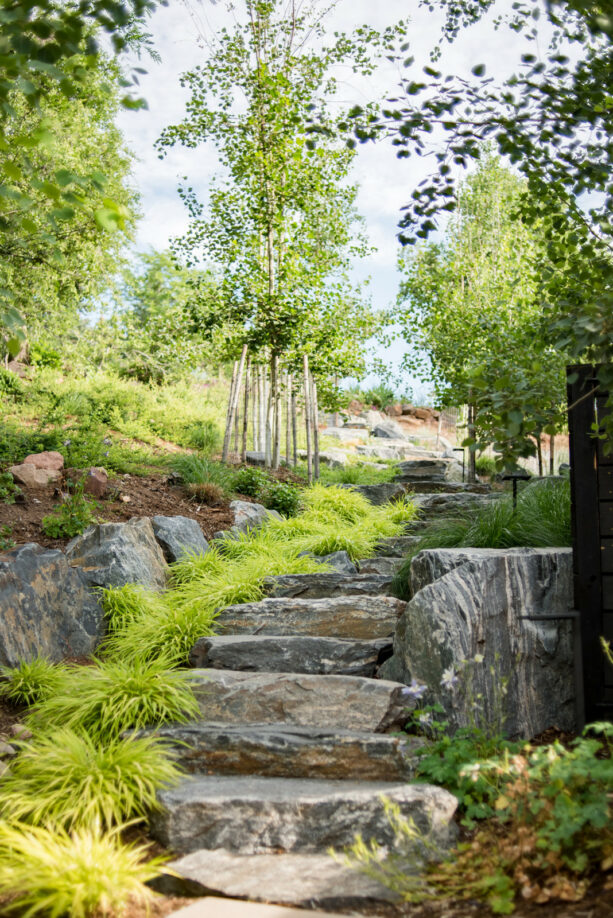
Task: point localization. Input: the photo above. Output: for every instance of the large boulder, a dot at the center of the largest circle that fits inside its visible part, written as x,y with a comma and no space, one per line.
30,476
113,554
49,460
389,430
45,607
178,536
346,434
471,603
379,494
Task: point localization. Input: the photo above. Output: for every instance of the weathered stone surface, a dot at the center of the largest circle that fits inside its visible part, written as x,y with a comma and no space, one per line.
352,702
291,654
338,561
250,516
396,546
178,535
353,423
471,601
31,477
418,469
253,814
318,586
282,751
364,617
300,880
335,458
113,554
45,607
96,482
379,452
381,566
346,434
432,506
389,430
49,460
373,417
379,493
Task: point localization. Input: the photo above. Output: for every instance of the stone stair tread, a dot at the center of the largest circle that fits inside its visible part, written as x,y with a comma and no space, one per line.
365,617
254,814
354,702
382,565
300,880
284,750
291,654
326,585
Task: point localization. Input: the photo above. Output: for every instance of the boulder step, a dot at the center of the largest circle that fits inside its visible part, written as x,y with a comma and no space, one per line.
380,565
295,815
289,654
324,585
300,880
282,751
356,703
363,617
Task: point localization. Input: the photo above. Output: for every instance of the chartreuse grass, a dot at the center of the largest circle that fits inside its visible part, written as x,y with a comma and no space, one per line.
144,625
30,681
87,872
67,779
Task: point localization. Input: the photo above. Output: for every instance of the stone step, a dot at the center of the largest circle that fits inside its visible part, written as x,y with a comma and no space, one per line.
320,586
381,566
254,815
280,750
355,703
300,880
396,546
363,617
291,654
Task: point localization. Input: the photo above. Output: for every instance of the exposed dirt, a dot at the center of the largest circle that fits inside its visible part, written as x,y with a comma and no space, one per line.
146,496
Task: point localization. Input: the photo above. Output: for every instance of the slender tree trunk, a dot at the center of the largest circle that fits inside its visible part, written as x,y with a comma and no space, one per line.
307,418
236,377
288,418
337,418
237,418
254,407
269,422
294,430
552,454
539,453
263,408
472,455
246,413
276,395
315,416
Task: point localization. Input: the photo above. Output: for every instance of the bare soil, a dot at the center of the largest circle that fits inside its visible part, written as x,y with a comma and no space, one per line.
129,496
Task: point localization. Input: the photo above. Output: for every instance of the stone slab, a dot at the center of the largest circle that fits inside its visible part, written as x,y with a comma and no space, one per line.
320,586
364,617
380,566
396,546
254,815
352,702
291,654
313,881
281,750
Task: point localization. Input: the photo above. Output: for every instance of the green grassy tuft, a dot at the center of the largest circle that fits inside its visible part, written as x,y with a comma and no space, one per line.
54,873
67,779
31,681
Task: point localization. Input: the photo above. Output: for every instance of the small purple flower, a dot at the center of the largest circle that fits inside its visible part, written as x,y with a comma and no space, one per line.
425,719
414,691
107,442
67,442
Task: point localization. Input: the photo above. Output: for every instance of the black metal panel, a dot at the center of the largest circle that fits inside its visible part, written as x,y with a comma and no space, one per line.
592,519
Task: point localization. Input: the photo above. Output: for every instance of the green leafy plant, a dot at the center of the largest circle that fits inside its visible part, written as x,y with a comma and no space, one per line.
197,470
9,491
205,436
68,779
74,515
282,496
83,873
31,681
6,538
42,356
113,696
250,481
10,385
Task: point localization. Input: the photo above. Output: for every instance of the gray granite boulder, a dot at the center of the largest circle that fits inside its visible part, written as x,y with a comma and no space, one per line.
320,586
252,814
45,607
379,494
178,535
249,516
113,554
346,434
389,430
471,603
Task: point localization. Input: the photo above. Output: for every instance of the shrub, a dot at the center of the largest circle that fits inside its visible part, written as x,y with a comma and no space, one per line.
42,356
485,466
113,696
6,538
197,470
207,493
282,497
31,681
205,436
9,491
10,385
68,779
250,481
81,874
72,517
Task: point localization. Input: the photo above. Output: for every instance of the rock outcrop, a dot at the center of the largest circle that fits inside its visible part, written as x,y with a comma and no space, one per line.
114,554
471,603
45,607
177,536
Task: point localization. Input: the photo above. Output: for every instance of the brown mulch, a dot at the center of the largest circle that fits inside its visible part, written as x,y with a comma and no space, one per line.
148,496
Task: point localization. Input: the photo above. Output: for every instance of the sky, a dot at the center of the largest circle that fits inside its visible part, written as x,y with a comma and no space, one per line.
385,183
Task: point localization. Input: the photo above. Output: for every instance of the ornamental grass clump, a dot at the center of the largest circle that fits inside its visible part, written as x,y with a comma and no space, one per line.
67,779
112,696
83,873
30,681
